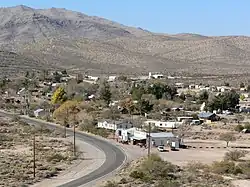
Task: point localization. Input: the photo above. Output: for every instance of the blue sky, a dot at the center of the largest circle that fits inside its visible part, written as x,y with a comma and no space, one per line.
208,17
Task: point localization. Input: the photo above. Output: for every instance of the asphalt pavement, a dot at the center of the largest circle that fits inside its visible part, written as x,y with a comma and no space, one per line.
115,157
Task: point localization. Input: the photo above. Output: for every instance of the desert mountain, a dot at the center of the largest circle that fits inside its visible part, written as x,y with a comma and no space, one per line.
66,39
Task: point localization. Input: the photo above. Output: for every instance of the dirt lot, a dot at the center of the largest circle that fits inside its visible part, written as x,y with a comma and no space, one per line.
16,153
184,156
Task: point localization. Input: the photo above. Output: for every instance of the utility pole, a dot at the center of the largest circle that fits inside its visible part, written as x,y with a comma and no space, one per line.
65,122
75,111
34,156
74,139
149,139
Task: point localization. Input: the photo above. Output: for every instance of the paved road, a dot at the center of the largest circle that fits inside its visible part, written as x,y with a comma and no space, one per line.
115,157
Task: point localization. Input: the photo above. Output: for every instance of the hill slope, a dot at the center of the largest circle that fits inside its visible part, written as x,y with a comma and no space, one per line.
67,39
12,64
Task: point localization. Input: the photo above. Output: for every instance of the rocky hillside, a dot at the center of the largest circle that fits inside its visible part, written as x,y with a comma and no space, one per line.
68,39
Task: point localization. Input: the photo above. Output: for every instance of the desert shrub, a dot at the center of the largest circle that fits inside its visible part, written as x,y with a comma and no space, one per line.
235,155
103,133
225,167
43,130
168,183
111,184
123,181
239,128
154,168
15,118
56,157
247,126
89,126
195,167
245,168
137,174
5,138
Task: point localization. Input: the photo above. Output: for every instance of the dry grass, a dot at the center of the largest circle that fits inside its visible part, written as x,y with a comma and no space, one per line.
16,155
222,55
158,173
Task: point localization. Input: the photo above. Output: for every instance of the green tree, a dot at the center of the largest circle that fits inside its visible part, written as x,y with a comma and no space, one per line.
27,74
162,90
122,78
182,96
105,93
248,88
157,89
45,75
242,85
79,78
203,96
64,72
242,97
56,77
224,101
144,106
137,92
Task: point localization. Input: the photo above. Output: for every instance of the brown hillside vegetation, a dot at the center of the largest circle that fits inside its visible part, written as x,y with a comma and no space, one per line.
67,39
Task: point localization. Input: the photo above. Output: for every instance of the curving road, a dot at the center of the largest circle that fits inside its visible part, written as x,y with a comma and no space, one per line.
115,157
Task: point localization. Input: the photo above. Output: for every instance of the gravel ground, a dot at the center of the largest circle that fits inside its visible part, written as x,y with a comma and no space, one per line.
90,160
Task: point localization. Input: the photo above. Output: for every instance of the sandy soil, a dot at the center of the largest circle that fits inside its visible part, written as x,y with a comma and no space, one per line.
216,143
90,160
241,183
184,156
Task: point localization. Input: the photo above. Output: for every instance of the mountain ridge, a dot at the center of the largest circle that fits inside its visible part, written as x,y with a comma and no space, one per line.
68,39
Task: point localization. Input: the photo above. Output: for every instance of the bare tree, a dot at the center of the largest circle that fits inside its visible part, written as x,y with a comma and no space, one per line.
227,137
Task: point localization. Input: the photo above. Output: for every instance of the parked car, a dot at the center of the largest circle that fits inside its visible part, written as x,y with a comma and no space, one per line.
161,148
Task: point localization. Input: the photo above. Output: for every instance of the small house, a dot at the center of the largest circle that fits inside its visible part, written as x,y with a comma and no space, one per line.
223,88
93,78
163,124
185,118
164,138
111,78
114,125
208,117
155,76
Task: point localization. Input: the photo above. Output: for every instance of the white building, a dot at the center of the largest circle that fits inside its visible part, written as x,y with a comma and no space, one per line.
111,125
157,139
155,76
111,78
163,124
164,138
223,88
184,118
93,78
179,85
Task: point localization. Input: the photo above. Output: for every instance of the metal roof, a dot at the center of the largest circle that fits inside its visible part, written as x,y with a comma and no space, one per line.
205,115
162,135
137,138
